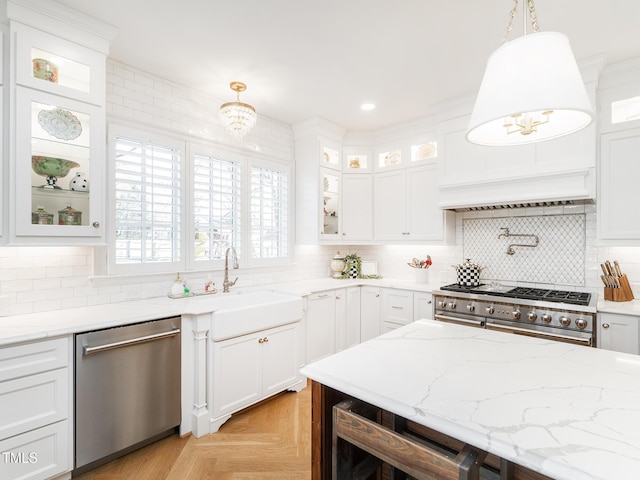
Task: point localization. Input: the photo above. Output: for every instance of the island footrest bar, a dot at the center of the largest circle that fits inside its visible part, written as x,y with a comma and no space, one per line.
359,424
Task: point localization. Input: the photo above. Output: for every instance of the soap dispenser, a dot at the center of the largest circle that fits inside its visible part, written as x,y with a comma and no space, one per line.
177,289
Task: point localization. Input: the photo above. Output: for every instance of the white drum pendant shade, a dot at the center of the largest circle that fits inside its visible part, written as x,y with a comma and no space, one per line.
534,73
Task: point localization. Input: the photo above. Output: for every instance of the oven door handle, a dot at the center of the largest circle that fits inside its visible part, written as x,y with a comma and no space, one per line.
538,334
460,321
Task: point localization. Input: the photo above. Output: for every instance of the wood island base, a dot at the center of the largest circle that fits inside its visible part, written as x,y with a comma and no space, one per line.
352,439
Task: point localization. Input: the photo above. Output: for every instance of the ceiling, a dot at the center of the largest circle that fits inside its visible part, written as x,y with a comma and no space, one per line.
308,58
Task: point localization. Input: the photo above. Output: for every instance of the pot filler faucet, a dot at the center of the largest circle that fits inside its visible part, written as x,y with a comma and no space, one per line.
234,257
510,250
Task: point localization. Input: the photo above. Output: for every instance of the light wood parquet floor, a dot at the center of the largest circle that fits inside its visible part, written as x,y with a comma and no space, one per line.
271,440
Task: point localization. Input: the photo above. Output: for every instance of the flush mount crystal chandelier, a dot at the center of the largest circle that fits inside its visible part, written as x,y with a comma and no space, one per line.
531,91
237,117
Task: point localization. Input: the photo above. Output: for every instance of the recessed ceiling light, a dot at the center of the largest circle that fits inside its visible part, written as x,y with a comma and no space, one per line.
367,106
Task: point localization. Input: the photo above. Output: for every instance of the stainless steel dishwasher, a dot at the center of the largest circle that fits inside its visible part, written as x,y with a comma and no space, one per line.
127,389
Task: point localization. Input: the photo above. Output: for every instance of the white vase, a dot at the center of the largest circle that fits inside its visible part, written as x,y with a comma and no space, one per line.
422,275
79,183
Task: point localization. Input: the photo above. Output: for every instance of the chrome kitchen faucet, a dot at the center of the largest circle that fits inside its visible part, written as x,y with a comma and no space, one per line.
226,283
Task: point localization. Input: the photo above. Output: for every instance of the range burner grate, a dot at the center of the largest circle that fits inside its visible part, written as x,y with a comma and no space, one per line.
559,296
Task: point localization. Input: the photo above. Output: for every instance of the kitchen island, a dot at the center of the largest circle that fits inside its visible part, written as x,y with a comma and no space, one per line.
540,407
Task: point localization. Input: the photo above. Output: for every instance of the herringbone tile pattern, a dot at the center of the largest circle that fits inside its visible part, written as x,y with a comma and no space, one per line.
271,440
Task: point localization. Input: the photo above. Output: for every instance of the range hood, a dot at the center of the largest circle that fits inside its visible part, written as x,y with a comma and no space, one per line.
542,189
512,206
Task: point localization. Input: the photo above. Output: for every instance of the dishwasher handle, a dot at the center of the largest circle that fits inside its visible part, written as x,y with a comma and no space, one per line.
134,341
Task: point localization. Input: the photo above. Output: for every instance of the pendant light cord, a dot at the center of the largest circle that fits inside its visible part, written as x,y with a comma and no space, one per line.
532,14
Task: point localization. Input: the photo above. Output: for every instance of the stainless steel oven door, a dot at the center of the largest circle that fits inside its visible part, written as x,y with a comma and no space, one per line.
460,319
548,333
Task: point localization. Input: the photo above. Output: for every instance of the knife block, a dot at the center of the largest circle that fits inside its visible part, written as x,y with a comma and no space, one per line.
622,294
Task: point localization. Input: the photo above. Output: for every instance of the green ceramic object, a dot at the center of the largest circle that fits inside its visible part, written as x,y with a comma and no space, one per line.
51,166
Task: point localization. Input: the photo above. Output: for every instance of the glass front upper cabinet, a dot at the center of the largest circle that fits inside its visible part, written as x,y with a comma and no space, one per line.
424,151
56,189
330,157
52,64
389,158
357,160
330,204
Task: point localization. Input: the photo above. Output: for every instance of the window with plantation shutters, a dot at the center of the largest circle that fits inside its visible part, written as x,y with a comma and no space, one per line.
216,207
269,212
147,202
178,207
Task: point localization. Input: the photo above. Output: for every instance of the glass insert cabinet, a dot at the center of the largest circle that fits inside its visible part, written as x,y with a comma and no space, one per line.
59,137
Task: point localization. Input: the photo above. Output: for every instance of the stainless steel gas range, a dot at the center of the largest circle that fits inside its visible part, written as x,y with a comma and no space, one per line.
552,314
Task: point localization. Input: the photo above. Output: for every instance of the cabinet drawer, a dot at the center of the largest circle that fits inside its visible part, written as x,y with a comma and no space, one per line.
34,401
21,360
38,454
397,306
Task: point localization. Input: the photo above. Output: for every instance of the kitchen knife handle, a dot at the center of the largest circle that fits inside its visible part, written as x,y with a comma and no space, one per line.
616,266
609,267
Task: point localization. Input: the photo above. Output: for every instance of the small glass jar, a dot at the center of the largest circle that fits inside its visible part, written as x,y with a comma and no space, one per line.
41,217
69,216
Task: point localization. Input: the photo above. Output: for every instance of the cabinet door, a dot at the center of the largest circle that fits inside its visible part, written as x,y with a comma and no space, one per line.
320,326
39,454
357,207
236,373
341,318
422,306
424,216
619,173
369,313
390,206
353,317
59,167
279,358
619,333
51,64
331,205
397,306
34,401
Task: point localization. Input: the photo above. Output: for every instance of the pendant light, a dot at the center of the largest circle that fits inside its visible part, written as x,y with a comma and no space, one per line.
531,91
237,117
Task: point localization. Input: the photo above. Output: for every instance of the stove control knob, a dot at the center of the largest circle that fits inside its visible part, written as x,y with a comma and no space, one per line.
531,316
565,321
489,310
546,318
452,305
442,304
515,314
581,323
471,307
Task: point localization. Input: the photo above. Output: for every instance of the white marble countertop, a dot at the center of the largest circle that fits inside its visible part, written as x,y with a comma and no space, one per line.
36,326
567,411
625,308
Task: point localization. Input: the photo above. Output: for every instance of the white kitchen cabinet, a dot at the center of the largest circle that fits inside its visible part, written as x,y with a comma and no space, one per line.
618,332
369,312
618,185
357,160
318,152
252,367
422,305
406,206
57,117
36,409
357,207
320,324
32,190
473,175
396,308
